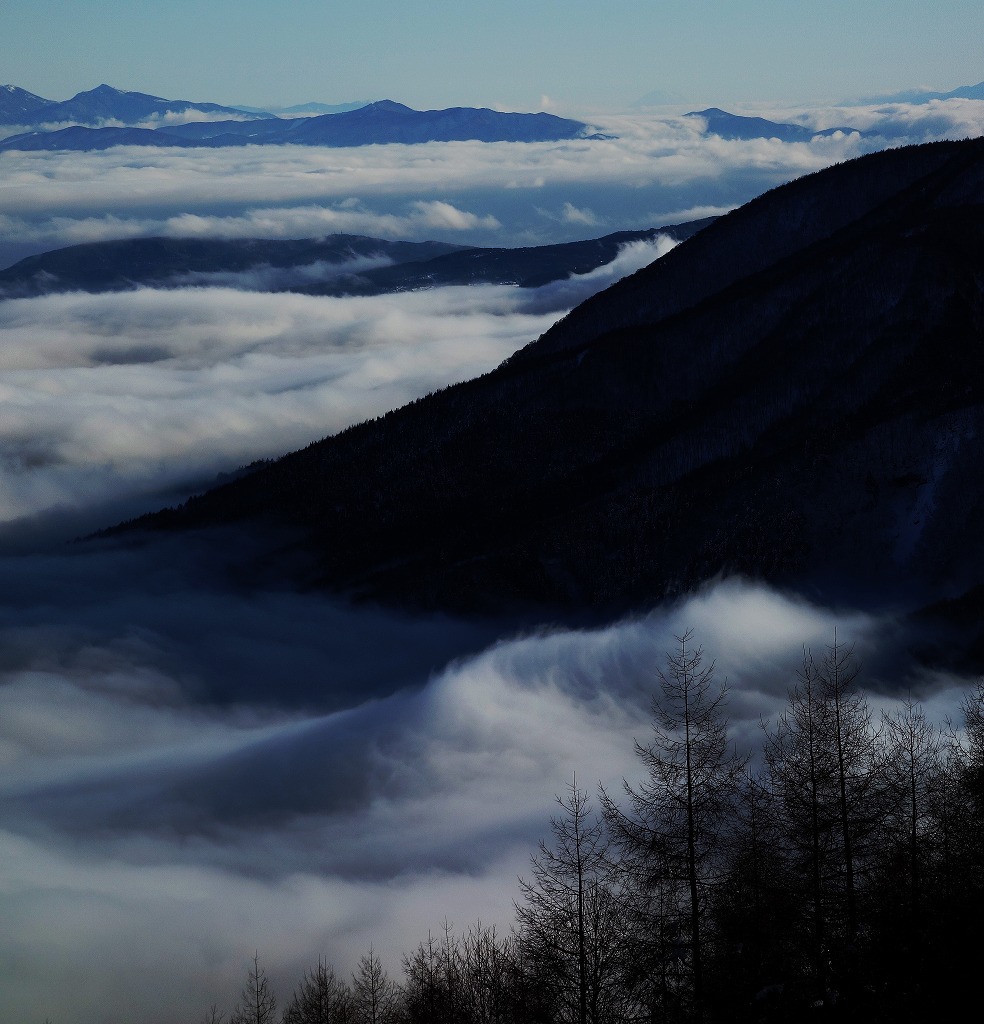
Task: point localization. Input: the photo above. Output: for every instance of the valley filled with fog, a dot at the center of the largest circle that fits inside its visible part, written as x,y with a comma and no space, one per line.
195,769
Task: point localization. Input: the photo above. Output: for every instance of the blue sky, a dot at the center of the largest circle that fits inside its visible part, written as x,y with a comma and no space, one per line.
577,54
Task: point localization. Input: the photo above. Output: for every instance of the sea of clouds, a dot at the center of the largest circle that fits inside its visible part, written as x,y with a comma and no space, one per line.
193,771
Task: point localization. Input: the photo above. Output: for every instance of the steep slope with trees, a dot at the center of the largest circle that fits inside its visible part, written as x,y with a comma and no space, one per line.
795,393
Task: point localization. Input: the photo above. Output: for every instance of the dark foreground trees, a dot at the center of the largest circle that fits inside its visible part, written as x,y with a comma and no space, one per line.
257,1003
825,784
672,837
321,998
570,934
375,998
842,880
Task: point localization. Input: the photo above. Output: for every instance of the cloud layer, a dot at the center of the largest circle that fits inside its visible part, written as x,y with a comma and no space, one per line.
140,397
480,193
655,169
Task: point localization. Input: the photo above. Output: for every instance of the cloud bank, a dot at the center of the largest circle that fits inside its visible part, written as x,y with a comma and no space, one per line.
479,193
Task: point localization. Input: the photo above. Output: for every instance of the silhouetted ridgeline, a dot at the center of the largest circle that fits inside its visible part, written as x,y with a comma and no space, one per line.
374,124
337,264
794,393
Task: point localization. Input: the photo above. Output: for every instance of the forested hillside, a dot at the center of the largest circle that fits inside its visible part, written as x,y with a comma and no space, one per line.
794,394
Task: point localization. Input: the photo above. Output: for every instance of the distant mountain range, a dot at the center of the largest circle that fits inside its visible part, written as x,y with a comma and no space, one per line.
796,393
335,265
104,103
381,122
736,126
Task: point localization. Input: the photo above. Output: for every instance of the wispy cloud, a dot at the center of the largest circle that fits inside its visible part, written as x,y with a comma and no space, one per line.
565,294
266,278
416,219
572,215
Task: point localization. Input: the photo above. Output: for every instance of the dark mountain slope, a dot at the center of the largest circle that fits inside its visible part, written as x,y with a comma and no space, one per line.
757,236
799,398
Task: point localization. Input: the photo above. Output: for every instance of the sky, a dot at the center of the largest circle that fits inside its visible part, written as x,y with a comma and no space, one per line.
571,55
192,771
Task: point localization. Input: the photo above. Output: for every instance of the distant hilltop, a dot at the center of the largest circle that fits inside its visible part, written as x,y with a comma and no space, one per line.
736,126
963,92
94,107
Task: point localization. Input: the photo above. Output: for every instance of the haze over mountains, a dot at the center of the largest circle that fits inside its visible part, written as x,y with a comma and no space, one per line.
105,117
963,92
791,394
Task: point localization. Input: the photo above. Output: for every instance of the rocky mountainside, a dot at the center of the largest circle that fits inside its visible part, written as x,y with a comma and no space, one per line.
796,393
20,107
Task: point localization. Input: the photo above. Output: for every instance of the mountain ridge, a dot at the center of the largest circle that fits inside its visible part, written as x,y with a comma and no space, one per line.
918,96
91,107
377,123
177,262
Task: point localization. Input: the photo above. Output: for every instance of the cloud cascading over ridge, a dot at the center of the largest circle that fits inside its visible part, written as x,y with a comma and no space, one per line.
154,392
285,826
